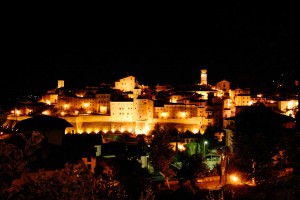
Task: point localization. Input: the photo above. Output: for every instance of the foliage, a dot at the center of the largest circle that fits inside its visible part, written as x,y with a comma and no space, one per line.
258,139
283,188
147,195
14,160
162,153
3,117
75,181
142,141
193,147
297,125
130,174
11,165
193,166
225,155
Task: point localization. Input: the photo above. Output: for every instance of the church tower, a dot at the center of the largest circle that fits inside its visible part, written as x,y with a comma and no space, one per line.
61,84
203,77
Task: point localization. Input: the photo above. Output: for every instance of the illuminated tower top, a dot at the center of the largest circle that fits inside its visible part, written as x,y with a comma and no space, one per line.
61,84
203,77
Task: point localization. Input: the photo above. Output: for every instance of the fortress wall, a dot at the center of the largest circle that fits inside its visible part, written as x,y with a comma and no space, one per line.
96,124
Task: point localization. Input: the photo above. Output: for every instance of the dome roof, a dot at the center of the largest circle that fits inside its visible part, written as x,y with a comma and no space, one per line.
42,122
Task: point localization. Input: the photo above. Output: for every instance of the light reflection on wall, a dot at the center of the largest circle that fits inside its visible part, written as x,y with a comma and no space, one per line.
88,131
46,112
164,114
195,130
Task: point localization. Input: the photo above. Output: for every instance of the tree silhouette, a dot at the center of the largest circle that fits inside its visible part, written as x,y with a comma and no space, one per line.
74,181
225,155
162,153
14,160
258,139
193,167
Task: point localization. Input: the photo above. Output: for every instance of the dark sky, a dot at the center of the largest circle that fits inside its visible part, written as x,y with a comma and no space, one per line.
238,43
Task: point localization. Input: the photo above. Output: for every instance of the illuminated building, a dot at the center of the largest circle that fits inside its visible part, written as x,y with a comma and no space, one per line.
130,107
126,84
203,77
224,86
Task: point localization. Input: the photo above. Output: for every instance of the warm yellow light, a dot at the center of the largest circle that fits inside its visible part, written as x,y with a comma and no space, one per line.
259,95
89,130
289,113
146,129
290,104
18,112
229,103
66,106
48,102
62,113
220,94
173,100
103,109
76,112
202,131
195,130
122,130
85,105
183,114
250,103
234,179
46,112
96,130
181,147
164,114
105,130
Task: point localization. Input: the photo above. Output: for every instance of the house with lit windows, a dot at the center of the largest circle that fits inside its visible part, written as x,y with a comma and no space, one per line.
131,107
126,107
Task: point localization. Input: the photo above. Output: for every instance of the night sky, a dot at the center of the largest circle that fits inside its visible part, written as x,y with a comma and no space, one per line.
239,44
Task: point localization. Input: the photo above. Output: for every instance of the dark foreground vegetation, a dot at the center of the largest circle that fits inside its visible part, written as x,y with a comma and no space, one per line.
263,151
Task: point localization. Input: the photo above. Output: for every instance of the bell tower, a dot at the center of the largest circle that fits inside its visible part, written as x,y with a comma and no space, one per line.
203,77
61,84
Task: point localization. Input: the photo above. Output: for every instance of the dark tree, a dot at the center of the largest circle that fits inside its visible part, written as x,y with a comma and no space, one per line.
258,140
297,126
193,167
14,160
225,155
74,181
162,154
128,172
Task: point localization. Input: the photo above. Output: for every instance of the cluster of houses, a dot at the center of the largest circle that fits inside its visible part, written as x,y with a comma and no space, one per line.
130,107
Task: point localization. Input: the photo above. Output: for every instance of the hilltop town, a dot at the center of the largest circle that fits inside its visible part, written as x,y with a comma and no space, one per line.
130,107
107,121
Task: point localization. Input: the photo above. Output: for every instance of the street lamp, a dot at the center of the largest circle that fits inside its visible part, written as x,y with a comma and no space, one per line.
205,142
